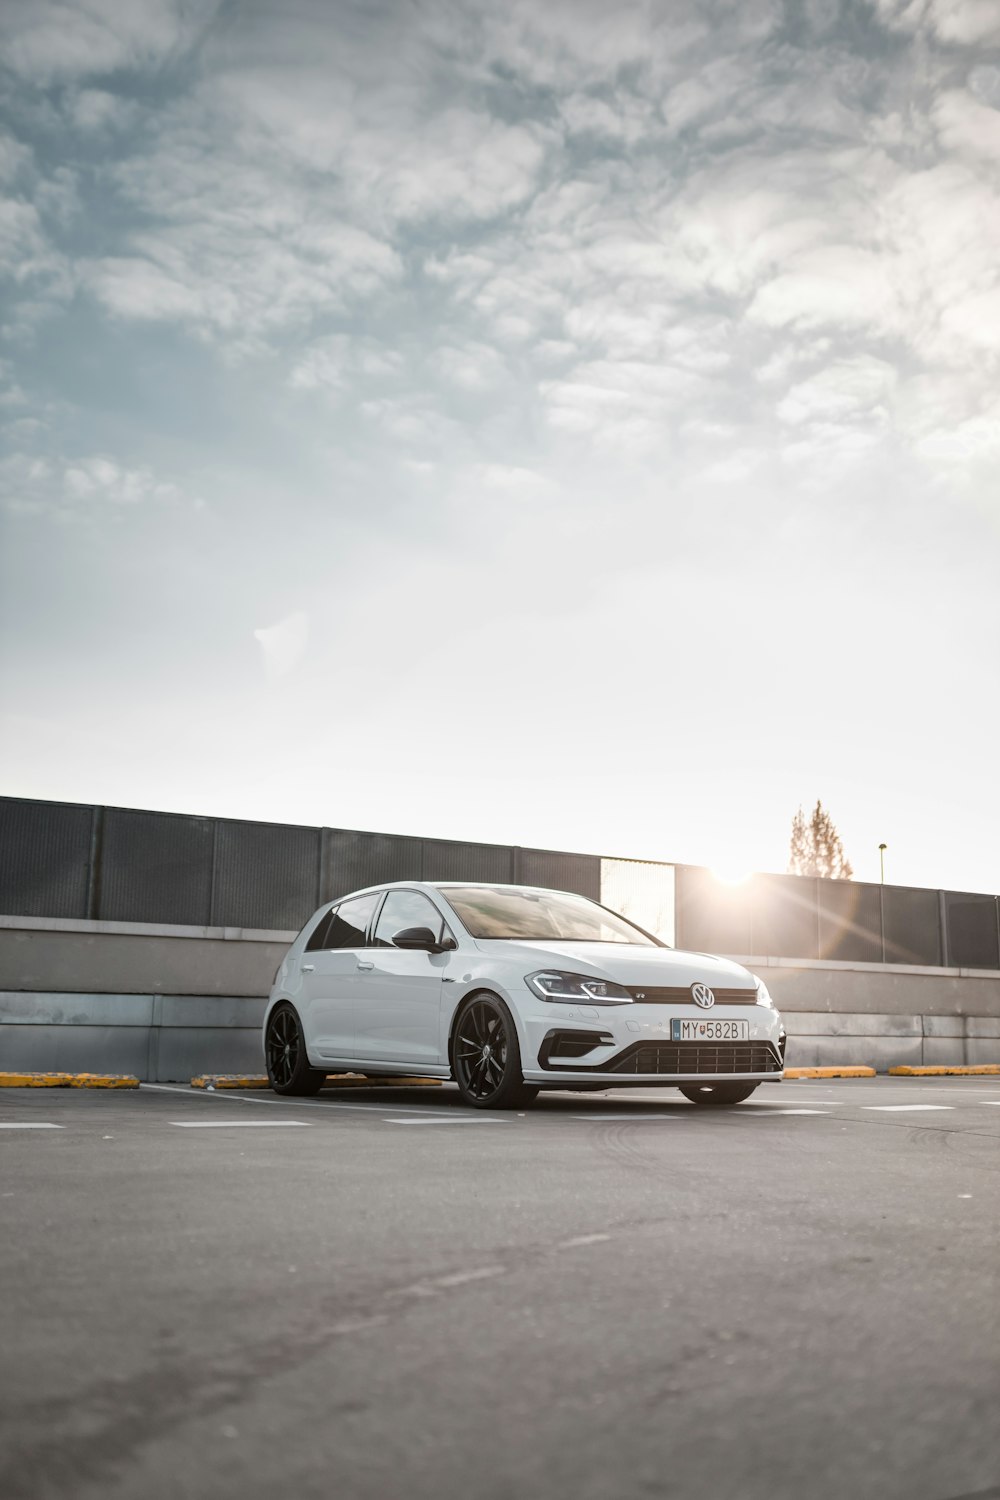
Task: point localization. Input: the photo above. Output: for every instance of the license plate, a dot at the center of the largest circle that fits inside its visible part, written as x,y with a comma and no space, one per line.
709,1031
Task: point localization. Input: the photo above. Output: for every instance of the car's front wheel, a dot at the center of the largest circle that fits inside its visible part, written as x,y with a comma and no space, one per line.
288,1069
715,1094
486,1058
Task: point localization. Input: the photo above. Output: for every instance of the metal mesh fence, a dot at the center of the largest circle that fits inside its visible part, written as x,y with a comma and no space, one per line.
155,867
971,925
266,875
45,858
850,921
120,864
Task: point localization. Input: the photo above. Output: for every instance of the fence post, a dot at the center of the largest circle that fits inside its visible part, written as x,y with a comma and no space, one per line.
943,921
325,866
94,865
211,881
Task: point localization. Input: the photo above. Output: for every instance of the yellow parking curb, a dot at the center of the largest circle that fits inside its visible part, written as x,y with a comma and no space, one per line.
850,1072
334,1080
68,1081
229,1081
946,1072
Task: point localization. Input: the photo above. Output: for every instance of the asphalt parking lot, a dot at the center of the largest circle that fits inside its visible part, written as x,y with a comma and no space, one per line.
385,1294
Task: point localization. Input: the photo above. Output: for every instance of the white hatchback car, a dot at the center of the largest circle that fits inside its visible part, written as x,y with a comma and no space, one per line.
508,990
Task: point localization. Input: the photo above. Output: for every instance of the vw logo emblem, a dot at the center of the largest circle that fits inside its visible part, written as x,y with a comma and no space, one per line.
702,995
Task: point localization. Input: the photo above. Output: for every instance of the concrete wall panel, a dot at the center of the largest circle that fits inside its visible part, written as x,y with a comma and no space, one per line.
826,1023
30,1009
75,1049
184,1052
876,991
98,963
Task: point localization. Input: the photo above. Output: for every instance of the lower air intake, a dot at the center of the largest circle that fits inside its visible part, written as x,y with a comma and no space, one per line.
698,1057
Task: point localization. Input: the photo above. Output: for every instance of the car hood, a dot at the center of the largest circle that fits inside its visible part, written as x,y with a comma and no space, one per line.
624,963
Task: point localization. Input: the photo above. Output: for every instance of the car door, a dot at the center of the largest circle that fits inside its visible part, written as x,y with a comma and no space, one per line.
330,977
398,1014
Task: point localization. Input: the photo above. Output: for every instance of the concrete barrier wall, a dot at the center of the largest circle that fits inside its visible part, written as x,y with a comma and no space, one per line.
159,1001
883,1015
167,1002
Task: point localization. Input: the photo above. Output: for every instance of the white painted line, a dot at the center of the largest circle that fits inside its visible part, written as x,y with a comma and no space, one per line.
800,1111
802,1099
33,1127
434,1285
232,1096
459,1278
583,1239
456,1119
905,1108
635,1116
233,1124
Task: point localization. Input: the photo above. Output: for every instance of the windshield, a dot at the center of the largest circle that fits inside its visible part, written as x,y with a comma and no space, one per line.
495,912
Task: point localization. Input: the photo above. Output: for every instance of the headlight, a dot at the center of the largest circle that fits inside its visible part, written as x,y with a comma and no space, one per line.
553,984
763,994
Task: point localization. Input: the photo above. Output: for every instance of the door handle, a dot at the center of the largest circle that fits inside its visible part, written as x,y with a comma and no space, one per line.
308,968
363,963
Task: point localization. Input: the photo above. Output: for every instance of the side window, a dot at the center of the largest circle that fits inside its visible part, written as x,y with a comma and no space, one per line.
349,922
405,909
317,938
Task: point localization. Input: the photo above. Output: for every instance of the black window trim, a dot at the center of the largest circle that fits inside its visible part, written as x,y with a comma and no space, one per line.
381,895
443,927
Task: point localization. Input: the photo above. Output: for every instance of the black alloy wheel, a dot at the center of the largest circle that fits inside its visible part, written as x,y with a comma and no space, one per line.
288,1069
713,1095
486,1058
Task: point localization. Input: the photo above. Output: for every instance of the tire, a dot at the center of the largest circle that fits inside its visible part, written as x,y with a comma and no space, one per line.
715,1095
288,1070
485,1056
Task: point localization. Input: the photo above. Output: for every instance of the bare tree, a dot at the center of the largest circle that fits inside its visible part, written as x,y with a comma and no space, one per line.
816,848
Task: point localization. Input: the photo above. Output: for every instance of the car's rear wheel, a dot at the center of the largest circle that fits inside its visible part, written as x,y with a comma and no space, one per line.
715,1094
288,1069
486,1058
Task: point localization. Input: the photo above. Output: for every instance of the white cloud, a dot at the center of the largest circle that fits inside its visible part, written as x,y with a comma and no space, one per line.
85,486
966,22
471,367
283,645
967,126
48,41
849,391
843,286
96,111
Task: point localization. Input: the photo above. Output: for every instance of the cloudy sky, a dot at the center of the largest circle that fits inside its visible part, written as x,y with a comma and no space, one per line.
568,424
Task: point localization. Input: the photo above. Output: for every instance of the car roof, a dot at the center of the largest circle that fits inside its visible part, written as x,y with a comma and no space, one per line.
465,885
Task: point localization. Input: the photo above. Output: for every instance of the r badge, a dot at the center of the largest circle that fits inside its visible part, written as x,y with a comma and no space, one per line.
702,995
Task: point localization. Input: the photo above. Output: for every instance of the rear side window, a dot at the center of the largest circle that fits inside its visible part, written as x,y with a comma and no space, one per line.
349,922
317,938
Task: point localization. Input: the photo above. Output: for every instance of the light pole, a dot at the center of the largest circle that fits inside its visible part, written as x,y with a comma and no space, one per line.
881,862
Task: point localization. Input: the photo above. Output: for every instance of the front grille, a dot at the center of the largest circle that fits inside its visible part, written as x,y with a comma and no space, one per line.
681,995
698,1057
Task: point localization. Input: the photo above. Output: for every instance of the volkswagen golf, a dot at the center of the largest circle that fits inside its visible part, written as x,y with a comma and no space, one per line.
508,990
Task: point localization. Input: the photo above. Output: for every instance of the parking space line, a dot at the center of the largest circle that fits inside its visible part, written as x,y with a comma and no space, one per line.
635,1116
459,1278
35,1125
308,1104
446,1120
234,1124
905,1108
799,1111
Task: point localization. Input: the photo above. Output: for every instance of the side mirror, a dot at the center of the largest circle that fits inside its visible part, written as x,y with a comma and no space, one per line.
417,937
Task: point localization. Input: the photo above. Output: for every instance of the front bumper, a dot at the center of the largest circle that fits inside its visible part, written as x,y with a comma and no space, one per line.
619,1046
